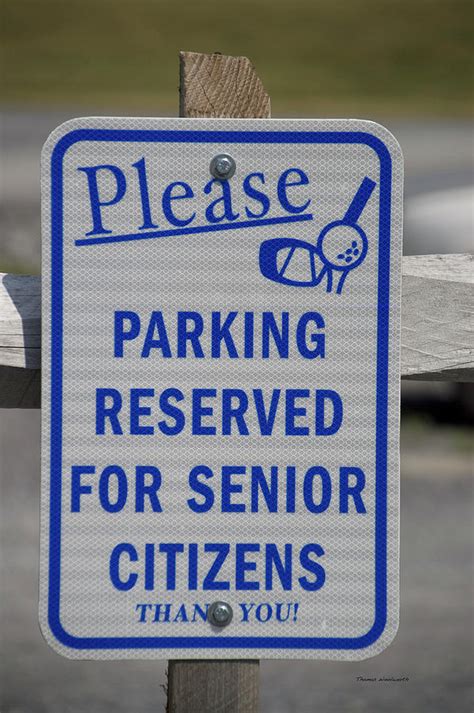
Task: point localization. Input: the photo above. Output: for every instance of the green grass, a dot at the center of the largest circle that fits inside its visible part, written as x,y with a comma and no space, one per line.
17,267
346,57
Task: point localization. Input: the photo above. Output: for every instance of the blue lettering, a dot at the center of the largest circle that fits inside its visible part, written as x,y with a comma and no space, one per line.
257,195
236,413
221,332
200,411
170,194
136,411
77,488
225,199
274,561
191,335
308,489
284,183
242,566
121,488
347,491
147,489
199,612
173,411
308,563
280,338
110,411
171,549
149,567
317,339
193,567
248,335
161,341
290,488
266,421
259,484
322,396
201,488
120,334
292,412
114,567
144,195
229,488
96,204
222,550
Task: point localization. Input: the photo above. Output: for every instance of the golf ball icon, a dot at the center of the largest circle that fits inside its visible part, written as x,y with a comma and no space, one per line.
341,247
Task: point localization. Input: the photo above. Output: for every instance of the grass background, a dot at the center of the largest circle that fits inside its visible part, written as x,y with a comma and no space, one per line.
331,57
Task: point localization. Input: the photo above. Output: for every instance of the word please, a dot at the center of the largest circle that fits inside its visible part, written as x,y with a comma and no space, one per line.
109,184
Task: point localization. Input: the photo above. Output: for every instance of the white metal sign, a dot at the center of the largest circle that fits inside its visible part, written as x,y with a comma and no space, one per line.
220,388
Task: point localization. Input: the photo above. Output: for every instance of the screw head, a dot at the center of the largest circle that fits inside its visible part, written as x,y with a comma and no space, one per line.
222,167
220,614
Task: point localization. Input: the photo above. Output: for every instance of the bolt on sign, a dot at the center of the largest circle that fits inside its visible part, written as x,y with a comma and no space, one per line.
220,388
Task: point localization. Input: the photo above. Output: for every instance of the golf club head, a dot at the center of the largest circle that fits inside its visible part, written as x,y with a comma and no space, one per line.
291,262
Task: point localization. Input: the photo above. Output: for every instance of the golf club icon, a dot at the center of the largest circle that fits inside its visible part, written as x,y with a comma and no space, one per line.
341,247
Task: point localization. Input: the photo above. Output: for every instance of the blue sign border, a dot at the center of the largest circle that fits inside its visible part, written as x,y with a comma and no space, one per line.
54,575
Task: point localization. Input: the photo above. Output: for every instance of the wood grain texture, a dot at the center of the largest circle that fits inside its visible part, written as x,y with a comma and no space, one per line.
216,85
213,686
438,317
437,326
20,325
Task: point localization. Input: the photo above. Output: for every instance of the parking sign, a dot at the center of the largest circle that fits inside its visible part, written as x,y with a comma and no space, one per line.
220,456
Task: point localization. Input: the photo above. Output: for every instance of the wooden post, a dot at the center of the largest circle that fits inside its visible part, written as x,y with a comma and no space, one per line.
213,686
217,86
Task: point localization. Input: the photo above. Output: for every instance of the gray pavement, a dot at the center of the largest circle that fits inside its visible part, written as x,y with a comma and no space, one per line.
433,649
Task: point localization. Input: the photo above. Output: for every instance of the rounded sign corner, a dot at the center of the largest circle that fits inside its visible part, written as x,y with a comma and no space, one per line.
385,142
378,642
56,638
62,133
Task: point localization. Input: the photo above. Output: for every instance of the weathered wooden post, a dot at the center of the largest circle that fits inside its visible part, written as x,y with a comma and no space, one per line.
217,86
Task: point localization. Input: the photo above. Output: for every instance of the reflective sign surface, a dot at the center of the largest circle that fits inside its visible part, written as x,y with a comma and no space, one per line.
220,389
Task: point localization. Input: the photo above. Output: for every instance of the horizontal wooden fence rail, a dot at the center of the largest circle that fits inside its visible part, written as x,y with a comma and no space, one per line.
437,326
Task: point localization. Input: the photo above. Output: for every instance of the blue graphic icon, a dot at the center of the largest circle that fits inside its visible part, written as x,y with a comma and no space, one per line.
341,247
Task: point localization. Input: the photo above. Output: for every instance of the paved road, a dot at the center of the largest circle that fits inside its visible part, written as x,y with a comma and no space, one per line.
433,649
